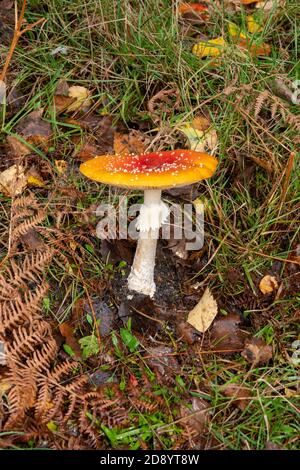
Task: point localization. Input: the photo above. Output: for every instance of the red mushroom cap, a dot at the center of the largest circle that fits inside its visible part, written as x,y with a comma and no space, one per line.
157,170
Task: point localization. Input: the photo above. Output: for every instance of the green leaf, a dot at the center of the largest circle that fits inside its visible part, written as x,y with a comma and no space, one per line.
89,346
129,339
89,319
110,434
68,350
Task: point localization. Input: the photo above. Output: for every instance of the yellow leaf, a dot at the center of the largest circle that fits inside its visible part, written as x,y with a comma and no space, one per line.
200,134
5,385
202,316
235,32
34,181
268,284
252,25
61,166
81,95
212,48
52,426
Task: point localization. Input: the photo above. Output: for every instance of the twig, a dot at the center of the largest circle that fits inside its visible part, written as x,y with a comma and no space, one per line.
18,32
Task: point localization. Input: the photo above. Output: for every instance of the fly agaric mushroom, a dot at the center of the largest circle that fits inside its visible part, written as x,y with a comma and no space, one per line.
151,172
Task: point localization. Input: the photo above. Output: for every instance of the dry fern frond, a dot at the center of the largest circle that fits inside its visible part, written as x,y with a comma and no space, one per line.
259,102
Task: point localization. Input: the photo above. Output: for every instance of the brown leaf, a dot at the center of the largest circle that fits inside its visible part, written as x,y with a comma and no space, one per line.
114,251
31,241
161,359
18,148
61,103
268,284
67,331
272,446
35,130
101,127
103,313
6,4
241,395
227,335
13,180
177,247
196,418
7,21
87,147
256,351
134,142
188,332
256,50
204,313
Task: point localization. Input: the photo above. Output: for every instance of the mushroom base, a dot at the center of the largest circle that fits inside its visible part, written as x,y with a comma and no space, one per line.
141,277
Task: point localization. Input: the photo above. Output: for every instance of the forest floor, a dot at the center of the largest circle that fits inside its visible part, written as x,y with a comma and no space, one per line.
81,365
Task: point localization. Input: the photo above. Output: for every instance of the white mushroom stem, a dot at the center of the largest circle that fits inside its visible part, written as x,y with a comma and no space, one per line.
153,214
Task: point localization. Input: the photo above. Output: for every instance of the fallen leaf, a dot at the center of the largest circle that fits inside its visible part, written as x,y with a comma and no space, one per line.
18,148
211,48
272,446
202,316
5,385
188,332
6,4
81,95
290,393
196,418
161,359
104,314
86,148
256,351
61,103
201,135
227,335
240,395
125,144
7,22
13,180
283,88
101,127
67,331
59,50
177,247
102,377
268,284
256,50
35,181
31,241
35,130
184,7
61,166
252,25
193,12
234,31
268,5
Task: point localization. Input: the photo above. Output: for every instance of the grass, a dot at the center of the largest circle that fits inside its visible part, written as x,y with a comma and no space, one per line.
125,53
